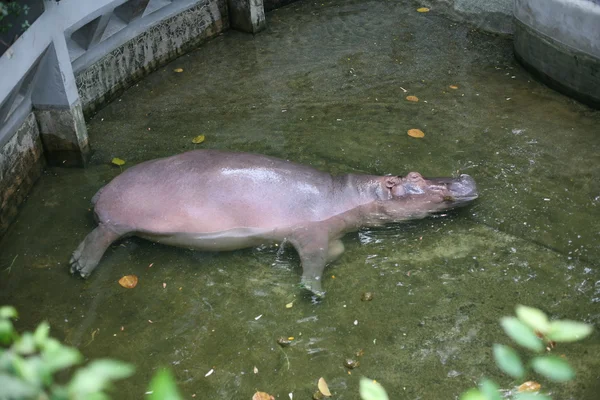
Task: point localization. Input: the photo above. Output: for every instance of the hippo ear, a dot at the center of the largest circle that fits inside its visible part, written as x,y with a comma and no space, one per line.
391,181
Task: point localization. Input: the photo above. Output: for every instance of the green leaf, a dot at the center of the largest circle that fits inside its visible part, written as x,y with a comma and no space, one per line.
14,388
97,375
25,344
163,386
6,331
489,389
508,361
57,358
568,331
553,368
7,312
534,318
531,396
28,369
473,394
521,334
371,390
41,334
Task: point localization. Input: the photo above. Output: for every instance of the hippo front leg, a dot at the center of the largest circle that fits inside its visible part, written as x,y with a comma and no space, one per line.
315,252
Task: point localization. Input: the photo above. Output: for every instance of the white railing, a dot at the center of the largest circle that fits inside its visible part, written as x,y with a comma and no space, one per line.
77,33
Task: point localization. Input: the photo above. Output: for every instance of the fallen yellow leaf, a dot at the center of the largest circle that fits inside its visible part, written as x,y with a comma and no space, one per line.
128,281
453,87
323,388
416,133
118,161
529,386
178,70
291,338
412,98
198,139
262,396
423,9
289,305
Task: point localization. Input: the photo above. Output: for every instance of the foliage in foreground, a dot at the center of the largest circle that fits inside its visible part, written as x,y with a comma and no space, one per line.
530,329
29,362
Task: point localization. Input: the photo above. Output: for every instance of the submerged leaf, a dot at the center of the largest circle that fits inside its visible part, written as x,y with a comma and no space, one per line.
423,9
529,386
454,87
323,388
416,133
128,281
262,396
118,161
412,98
198,139
178,70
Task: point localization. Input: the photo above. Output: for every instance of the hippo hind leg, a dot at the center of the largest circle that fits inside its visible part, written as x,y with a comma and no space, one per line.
89,252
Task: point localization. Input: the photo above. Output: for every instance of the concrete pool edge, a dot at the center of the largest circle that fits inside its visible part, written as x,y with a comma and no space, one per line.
556,43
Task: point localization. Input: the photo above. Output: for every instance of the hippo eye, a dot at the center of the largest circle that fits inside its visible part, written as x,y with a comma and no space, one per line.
414,176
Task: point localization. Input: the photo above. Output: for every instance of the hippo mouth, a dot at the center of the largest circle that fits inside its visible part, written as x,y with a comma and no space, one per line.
461,190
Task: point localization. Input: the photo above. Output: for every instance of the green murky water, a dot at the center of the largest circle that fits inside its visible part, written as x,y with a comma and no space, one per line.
325,85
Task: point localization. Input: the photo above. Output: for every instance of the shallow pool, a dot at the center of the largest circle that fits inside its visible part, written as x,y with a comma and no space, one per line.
325,85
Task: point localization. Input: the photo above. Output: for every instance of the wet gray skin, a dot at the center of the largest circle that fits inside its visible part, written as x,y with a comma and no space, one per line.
324,87
215,200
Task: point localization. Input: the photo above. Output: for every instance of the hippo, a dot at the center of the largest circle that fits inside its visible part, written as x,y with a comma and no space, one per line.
216,200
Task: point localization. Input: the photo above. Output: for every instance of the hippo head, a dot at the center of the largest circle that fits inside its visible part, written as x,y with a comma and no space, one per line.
413,196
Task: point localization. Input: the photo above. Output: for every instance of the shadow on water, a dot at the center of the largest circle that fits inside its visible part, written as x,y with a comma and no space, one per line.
325,85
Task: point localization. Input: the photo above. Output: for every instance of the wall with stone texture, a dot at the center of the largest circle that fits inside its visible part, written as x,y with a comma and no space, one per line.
21,163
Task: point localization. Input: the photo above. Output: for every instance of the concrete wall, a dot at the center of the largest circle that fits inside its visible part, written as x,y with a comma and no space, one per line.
559,42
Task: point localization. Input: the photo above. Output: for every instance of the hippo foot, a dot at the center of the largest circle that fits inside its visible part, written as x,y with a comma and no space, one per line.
78,266
87,255
314,289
